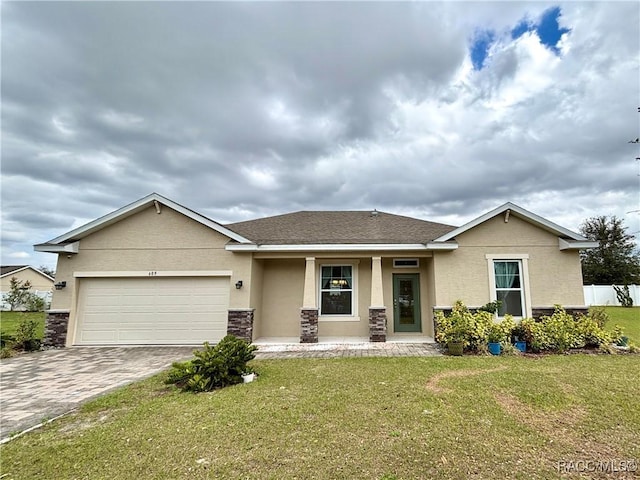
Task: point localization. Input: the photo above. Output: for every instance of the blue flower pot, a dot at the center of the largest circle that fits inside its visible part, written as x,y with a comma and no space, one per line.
522,346
494,348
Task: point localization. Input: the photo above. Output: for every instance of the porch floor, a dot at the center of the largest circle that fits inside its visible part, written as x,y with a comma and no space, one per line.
332,347
341,340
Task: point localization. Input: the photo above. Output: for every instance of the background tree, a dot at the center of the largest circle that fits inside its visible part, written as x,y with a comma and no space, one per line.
48,271
616,261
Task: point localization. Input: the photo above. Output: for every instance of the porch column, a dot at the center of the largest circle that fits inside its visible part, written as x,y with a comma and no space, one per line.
377,310
309,310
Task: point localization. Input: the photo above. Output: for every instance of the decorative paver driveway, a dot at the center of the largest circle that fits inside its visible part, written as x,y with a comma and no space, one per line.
43,385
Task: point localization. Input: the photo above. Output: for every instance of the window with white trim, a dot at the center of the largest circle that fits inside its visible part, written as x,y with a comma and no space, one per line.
336,290
509,287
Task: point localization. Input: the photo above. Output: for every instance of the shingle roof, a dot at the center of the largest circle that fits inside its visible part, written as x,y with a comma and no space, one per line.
5,269
343,227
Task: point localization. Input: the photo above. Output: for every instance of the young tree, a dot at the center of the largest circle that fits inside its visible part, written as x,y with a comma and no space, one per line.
20,296
616,261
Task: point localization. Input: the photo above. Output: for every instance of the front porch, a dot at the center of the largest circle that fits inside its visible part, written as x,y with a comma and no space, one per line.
338,347
329,341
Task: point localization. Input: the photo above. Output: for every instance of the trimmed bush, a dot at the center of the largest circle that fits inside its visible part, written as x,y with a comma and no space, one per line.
214,367
560,332
471,328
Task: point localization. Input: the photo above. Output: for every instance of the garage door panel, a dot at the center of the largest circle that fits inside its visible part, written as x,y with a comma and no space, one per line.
147,311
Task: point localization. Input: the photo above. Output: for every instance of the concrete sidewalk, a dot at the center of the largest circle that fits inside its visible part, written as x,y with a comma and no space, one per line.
39,386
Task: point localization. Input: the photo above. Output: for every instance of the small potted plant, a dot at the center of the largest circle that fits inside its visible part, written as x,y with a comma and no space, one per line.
518,337
248,376
456,338
495,336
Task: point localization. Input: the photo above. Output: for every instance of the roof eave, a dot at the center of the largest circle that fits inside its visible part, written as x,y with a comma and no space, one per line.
70,248
531,217
133,208
341,247
576,245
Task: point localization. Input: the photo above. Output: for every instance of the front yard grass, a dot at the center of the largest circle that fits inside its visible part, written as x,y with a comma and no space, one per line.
9,322
373,418
628,319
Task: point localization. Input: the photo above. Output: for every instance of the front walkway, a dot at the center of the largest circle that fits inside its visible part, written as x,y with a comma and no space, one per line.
335,348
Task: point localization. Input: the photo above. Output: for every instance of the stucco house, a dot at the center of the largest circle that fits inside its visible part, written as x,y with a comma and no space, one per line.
41,283
156,272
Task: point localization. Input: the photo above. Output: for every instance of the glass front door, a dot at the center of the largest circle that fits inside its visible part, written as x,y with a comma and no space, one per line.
406,303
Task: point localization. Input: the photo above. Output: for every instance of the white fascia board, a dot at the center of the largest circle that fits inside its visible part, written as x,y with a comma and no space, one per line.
64,248
442,246
532,217
575,245
139,205
335,247
27,267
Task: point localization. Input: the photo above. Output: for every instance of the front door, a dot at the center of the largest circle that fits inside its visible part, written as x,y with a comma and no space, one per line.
406,303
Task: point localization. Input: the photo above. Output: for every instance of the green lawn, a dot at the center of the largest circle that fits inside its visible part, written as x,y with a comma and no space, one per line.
9,321
628,319
373,418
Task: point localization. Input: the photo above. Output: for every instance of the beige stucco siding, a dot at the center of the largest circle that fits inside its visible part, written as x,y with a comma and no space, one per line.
38,281
282,288
555,276
152,242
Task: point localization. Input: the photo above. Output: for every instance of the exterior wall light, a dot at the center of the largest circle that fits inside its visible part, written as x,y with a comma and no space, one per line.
60,285
239,284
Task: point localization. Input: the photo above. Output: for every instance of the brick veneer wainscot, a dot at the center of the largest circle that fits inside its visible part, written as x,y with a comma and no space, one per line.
55,328
309,325
240,324
377,324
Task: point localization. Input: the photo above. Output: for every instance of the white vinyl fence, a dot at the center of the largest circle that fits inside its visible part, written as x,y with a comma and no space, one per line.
44,294
606,295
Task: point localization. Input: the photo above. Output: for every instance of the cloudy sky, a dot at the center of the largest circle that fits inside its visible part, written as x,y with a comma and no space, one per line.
441,111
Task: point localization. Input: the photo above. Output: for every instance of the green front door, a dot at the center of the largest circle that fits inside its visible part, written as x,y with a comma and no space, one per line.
406,303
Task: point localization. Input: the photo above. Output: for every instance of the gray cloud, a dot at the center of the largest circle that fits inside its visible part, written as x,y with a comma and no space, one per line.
241,110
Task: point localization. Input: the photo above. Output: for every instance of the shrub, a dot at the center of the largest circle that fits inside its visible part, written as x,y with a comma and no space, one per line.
535,334
473,329
561,330
213,367
598,315
26,334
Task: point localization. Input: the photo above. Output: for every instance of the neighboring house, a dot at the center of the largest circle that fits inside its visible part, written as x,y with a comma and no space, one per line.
41,283
155,272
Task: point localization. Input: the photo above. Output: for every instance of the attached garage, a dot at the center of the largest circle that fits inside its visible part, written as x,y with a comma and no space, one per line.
151,310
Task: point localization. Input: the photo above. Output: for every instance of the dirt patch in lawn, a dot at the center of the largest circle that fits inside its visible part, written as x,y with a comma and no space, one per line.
558,426
433,383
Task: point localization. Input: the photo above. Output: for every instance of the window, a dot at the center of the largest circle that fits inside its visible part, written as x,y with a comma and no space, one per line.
509,287
405,263
336,290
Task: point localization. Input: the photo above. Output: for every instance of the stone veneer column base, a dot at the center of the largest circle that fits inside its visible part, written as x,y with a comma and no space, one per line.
55,328
309,325
240,323
377,324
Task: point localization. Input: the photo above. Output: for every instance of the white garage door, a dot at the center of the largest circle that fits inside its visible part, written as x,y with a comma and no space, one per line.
152,311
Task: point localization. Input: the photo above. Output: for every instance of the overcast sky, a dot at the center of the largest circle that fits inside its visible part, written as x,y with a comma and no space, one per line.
441,111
